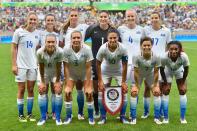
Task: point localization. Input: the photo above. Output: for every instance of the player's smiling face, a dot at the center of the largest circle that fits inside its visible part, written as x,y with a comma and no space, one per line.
50,22
174,51
50,44
146,47
103,18
112,40
130,17
32,21
155,19
76,40
74,17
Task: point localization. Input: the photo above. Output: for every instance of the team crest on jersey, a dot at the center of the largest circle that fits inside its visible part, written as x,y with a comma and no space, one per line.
138,32
163,35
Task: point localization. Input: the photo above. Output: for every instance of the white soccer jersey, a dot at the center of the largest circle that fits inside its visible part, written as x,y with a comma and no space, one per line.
180,63
27,42
146,66
67,37
111,64
160,38
77,61
45,33
131,40
50,61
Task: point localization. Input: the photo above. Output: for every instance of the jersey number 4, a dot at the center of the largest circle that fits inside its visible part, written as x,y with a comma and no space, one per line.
29,44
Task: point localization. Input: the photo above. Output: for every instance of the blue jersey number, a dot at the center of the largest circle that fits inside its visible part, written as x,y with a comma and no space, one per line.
29,44
155,41
130,39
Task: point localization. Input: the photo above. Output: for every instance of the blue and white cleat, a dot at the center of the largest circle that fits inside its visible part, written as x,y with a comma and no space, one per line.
133,121
183,121
146,115
102,121
165,121
157,121
91,121
22,118
67,121
58,122
81,117
41,122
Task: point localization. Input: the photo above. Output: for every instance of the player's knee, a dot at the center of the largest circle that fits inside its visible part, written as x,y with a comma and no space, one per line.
182,91
156,93
166,91
134,94
21,91
68,95
89,97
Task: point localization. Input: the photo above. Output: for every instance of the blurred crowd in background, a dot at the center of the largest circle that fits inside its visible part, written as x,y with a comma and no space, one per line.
174,16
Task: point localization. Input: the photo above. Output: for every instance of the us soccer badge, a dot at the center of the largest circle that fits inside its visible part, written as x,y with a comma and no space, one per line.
113,99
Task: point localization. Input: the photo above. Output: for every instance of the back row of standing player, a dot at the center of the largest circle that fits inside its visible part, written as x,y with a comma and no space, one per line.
130,35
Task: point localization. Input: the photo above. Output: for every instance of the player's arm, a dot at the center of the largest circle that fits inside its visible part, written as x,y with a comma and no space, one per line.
14,55
66,71
136,77
124,73
100,81
58,71
185,73
41,67
156,76
88,70
163,75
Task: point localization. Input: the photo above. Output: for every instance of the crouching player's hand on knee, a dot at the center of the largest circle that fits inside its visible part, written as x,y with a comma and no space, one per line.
124,87
42,88
57,87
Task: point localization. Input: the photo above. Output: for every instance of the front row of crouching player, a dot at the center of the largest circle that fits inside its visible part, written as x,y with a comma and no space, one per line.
112,61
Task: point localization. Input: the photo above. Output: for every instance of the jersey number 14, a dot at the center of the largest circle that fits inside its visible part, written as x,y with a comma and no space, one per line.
29,44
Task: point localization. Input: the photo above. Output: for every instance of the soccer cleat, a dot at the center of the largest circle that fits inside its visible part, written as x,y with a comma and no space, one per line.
145,116
97,115
91,121
58,122
53,116
81,117
102,121
41,122
133,122
30,117
183,121
67,121
124,121
165,121
22,118
157,121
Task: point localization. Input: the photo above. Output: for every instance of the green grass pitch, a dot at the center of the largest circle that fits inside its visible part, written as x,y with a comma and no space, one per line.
9,113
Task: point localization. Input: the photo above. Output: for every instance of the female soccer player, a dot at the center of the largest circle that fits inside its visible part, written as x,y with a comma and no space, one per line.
24,66
77,67
98,34
50,22
131,34
70,26
50,58
146,67
112,63
175,63
160,36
